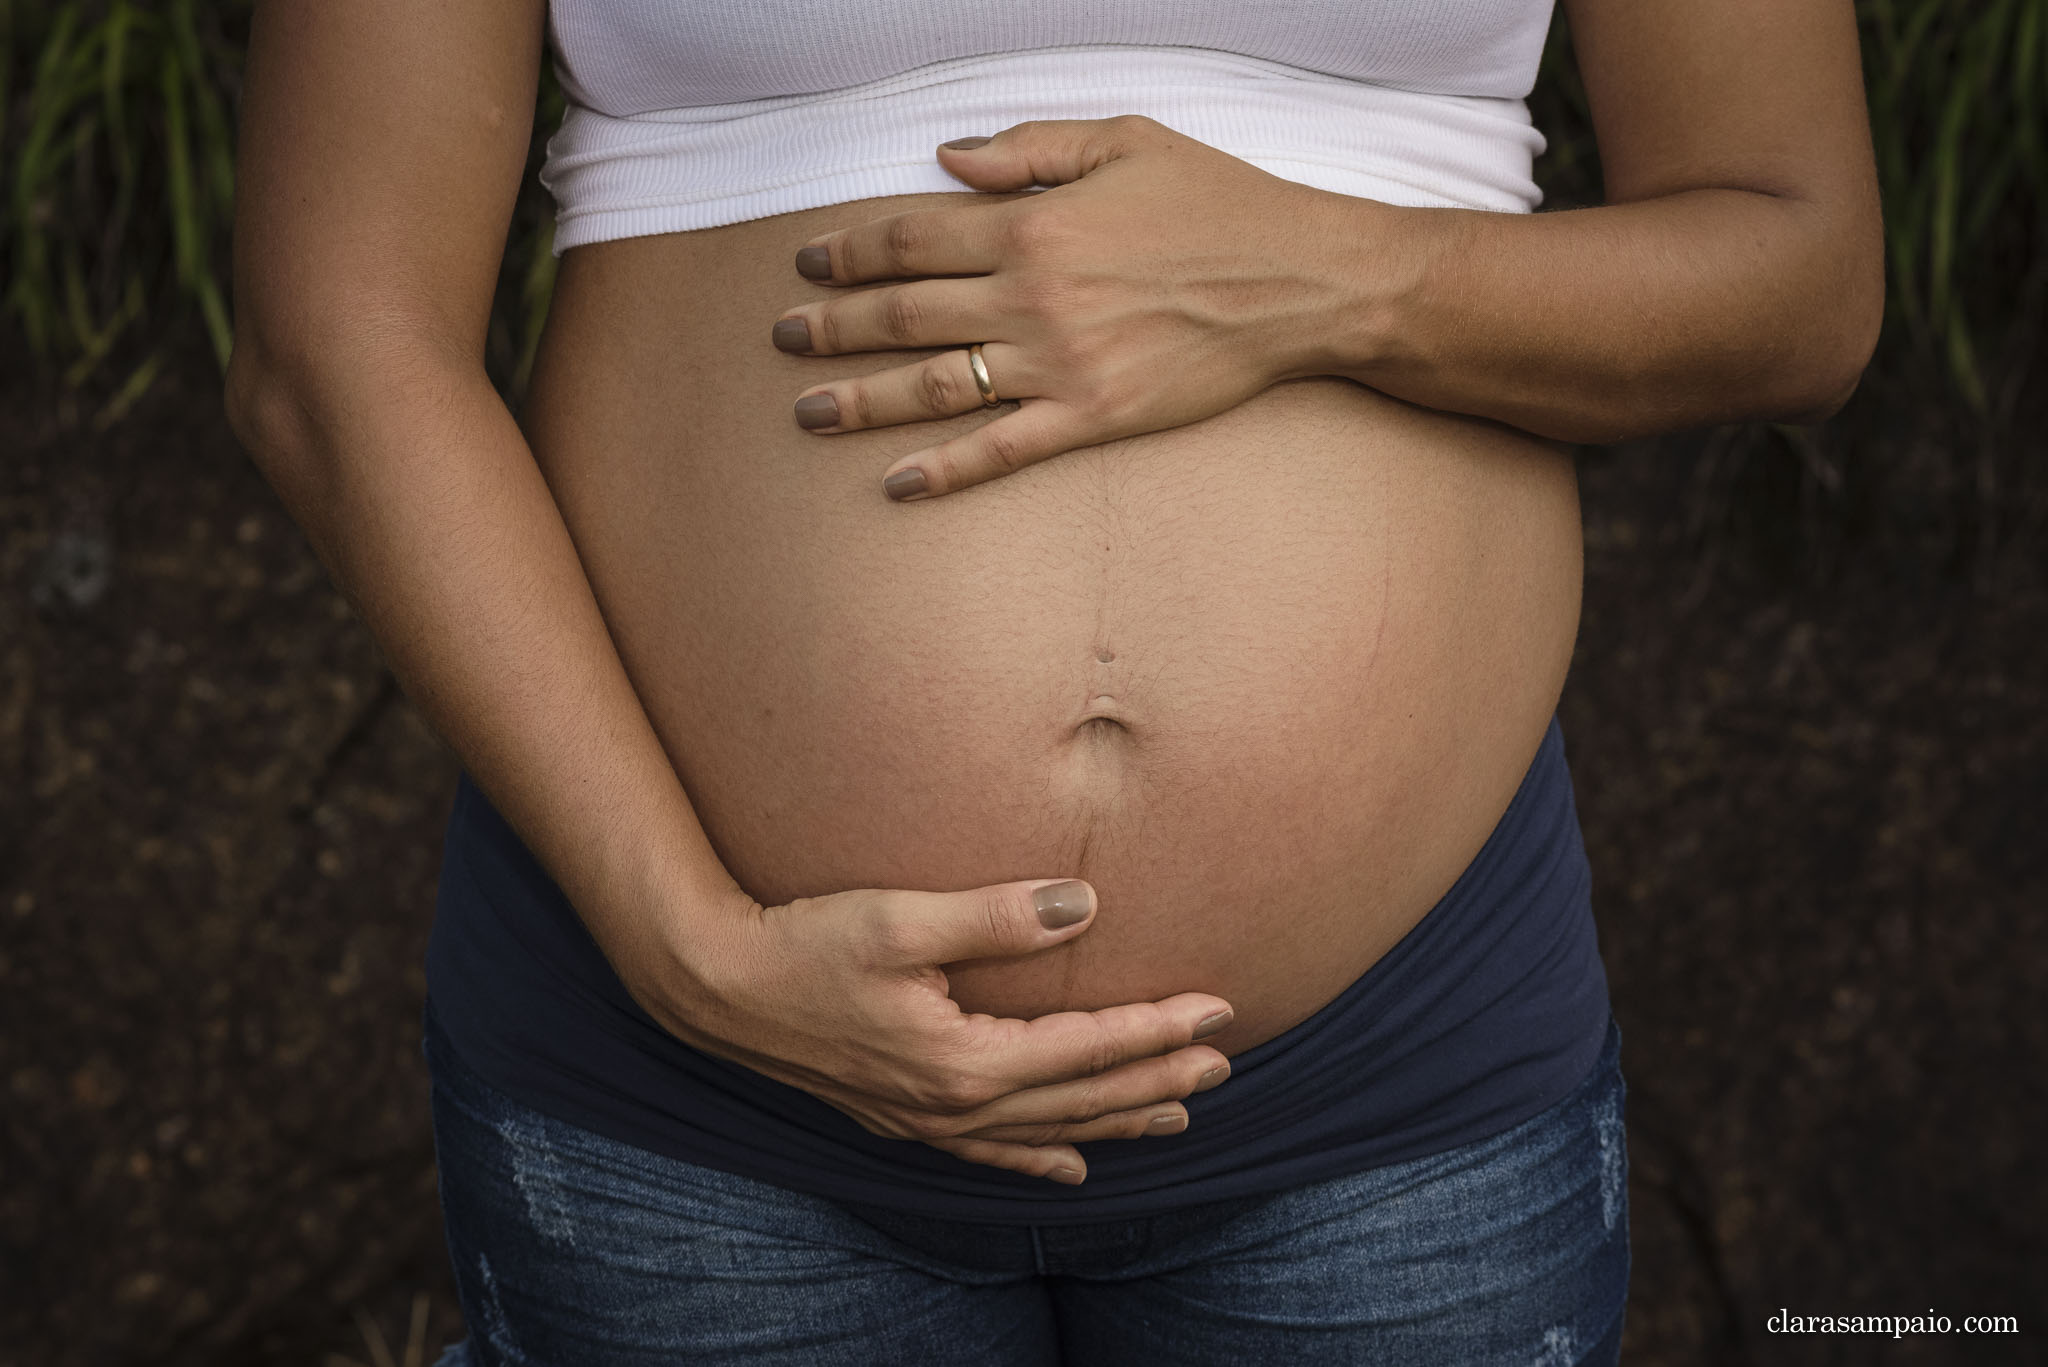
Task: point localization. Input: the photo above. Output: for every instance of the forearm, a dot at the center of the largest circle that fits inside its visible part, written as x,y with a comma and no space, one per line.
1607,323
419,493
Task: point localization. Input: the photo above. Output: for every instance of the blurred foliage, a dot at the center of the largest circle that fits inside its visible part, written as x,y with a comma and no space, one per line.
117,122
116,135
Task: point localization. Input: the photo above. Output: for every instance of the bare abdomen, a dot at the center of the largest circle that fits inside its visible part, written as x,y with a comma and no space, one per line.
1267,681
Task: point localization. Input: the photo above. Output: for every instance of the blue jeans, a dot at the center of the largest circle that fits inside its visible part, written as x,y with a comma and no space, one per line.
574,1250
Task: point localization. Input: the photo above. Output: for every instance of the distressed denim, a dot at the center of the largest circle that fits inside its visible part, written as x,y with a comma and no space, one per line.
574,1250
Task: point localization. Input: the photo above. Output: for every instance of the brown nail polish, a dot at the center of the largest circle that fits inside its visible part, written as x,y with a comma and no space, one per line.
1213,1077
1061,904
1173,1122
903,484
964,144
1071,1176
793,334
1211,1024
814,263
817,410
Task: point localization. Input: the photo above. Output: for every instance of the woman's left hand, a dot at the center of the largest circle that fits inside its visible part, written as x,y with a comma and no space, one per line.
1160,282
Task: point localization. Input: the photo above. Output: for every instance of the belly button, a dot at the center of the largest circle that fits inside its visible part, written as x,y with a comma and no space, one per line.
1101,728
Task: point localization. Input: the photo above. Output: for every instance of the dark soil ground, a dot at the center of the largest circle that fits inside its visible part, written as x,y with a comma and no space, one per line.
1815,819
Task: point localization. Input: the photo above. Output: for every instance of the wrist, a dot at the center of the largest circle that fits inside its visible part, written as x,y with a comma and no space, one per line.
665,914
679,957
1376,259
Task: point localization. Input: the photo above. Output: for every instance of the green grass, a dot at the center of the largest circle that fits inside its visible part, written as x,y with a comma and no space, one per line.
116,129
116,135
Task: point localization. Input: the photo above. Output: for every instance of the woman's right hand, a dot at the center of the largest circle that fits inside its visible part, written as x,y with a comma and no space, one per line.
843,996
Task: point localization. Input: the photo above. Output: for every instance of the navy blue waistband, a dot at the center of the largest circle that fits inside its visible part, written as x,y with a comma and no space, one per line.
1492,1008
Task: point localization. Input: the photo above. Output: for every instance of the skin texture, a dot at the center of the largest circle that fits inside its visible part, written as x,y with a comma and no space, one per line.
540,586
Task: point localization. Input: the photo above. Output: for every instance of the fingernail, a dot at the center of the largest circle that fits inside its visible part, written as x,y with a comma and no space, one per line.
904,483
1061,904
814,263
1071,1176
793,334
1211,1024
1213,1077
1171,1122
964,144
817,410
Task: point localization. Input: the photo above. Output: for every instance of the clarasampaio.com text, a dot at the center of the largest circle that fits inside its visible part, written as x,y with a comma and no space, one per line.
1898,1326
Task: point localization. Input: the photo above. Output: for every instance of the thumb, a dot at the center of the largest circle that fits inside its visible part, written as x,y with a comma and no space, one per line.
1040,152
1003,920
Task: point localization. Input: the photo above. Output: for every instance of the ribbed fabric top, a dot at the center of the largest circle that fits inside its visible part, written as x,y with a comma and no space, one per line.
691,116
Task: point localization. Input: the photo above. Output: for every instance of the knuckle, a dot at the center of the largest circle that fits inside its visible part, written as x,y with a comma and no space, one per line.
1089,1103
999,919
857,403
849,257
892,937
1125,1128
1004,450
903,237
1036,231
926,1098
901,316
1103,1053
938,389
825,329
955,1095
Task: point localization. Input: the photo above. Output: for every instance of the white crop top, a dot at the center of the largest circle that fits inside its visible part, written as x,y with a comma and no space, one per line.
694,113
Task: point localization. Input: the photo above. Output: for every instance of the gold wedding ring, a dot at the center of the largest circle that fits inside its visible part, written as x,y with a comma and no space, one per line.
981,379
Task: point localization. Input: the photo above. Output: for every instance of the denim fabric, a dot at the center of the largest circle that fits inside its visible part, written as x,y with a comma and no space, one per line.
572,1249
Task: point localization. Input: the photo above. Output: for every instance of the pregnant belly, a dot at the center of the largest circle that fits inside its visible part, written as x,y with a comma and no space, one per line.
1266,681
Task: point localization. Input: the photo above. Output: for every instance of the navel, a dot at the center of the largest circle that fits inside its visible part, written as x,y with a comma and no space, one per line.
1099,728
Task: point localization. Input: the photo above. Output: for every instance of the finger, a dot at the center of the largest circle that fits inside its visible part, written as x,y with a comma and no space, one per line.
925,313
1047,151
1146,1122
905,246
1012,1055
1059,1162
940,386
1040,429
908,929
1140,1088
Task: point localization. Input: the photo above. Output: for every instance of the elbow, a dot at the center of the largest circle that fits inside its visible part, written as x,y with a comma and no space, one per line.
1838,358
264,414
290,388
1822,404
1841,336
